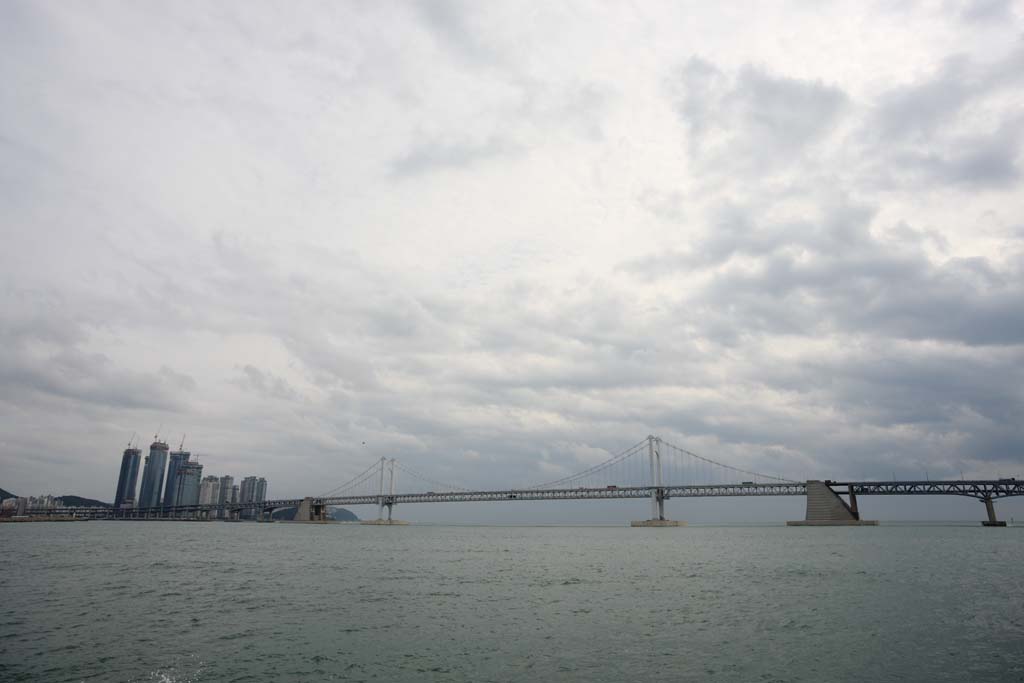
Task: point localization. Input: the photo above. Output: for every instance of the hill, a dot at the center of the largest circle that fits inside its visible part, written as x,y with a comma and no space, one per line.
337,514
4,495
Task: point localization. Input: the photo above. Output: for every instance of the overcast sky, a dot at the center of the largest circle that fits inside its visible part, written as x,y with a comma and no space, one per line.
501,241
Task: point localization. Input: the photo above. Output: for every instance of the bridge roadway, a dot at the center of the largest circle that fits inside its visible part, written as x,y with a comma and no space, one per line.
982,489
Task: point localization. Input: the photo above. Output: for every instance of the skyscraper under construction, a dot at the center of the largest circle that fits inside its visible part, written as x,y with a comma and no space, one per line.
177,459
127,481
186,488
153,475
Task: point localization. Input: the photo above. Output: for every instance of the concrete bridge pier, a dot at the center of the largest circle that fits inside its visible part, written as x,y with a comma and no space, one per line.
826,508
990,508
311,511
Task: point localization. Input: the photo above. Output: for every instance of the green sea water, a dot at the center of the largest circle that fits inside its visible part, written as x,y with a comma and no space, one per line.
168,601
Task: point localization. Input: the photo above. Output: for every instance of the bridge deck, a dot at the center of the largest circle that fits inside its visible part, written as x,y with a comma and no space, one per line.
978,488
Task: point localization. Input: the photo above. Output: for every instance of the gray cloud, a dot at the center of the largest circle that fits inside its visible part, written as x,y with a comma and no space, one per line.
831,273
752,120
983,11
436,155
949,129
268,384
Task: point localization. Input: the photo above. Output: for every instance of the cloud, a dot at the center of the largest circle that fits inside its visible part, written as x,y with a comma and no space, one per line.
435,155
829,273
267,384
951,128
984,11
753,120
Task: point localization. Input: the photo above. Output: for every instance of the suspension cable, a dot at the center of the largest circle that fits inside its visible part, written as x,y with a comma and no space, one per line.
354,481
632,450
416,474
728,467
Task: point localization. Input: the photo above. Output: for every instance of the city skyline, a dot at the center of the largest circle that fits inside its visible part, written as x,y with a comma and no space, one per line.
182,480
193,489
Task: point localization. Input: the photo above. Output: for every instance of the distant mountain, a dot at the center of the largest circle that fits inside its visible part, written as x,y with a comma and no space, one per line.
4,495
337,514
78,501
343,515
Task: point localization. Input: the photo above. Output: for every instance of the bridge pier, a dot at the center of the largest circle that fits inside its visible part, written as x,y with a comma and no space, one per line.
990,508
385,521
311,511
826,508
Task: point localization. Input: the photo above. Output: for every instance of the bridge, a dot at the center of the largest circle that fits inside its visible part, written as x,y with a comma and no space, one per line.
652,469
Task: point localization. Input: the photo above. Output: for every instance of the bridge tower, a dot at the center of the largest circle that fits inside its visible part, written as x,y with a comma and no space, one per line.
386,501
657,490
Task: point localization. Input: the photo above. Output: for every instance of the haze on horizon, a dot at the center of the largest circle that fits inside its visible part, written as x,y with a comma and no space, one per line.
501,241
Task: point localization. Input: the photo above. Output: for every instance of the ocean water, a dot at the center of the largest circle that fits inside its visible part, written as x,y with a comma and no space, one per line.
168,601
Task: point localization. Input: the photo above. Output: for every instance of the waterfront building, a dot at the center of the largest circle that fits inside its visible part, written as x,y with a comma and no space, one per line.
186,487
245,493
177,459
209,490
44,502
227,484
153,475
127,481
254,490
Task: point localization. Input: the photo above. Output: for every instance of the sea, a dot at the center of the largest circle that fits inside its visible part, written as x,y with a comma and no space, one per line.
216,601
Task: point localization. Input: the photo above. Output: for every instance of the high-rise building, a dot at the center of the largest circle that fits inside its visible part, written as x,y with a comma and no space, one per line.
254,490
245,494
227,484
128,480
177,459
186,487
209,490
248,489
153,475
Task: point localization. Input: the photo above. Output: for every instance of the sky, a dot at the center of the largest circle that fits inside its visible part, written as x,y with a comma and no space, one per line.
504,241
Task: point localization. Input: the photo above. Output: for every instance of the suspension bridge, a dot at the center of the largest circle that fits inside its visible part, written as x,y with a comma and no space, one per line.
651,469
